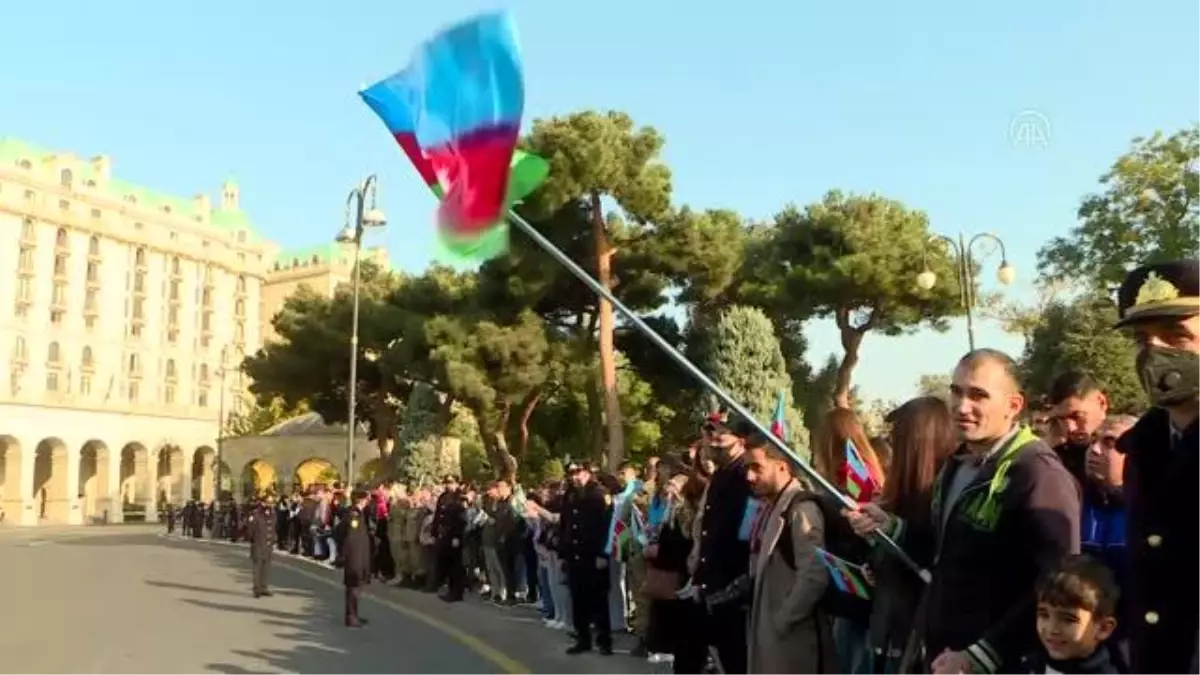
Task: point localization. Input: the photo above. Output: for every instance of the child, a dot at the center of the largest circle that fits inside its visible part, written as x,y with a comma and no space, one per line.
1076,613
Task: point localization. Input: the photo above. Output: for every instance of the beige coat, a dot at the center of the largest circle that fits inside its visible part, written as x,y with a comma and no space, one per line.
787,635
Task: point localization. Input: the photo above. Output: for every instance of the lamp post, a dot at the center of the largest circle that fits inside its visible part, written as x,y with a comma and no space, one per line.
962,249
220,424
361,214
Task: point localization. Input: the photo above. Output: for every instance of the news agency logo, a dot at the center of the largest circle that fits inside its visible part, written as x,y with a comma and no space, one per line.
1030,129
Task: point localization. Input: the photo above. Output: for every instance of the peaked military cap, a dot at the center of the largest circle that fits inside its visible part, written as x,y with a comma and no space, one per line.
1160,290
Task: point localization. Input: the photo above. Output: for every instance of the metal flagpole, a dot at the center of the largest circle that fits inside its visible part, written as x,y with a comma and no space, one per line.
581,274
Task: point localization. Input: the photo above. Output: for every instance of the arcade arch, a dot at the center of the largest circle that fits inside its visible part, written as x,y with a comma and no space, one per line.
257,478
204,462
315,470
94,482
169,476
52,503
134,487
10,477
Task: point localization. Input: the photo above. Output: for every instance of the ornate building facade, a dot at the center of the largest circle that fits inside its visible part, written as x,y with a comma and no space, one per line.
123,314
321,268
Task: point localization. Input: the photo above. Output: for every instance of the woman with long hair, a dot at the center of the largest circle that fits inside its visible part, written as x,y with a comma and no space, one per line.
922,438
829,452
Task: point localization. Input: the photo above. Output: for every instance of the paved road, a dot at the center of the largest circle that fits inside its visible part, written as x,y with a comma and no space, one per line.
125,599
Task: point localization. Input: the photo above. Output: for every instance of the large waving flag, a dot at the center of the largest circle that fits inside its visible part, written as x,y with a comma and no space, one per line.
778,427
456,112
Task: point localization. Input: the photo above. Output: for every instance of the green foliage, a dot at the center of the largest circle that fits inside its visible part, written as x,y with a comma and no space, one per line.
1149,211
741,354
934,384
1078,335
417,455
257,418
855,259
310,365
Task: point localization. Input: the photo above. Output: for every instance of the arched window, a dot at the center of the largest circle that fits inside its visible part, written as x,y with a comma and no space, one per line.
204,372
134,365
239,307
65,178
88,360
175,266
171,374
20,353
60,238
139,257
94,245
241,284
53,354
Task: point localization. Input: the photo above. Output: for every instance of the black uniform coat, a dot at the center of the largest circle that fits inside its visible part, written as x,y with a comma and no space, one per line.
450,518
724,553
354,542
1163,505
583,535
260,530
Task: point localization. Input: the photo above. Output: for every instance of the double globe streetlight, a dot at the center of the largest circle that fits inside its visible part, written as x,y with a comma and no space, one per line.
964,269
362,214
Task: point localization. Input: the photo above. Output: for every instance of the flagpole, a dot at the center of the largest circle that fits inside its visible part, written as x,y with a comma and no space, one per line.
599,289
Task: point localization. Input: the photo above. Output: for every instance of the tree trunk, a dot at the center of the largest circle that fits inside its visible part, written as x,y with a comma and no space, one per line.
608,357
495,444
851,337
385,443
595,414
527,408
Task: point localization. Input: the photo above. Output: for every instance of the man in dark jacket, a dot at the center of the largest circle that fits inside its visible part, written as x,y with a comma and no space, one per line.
721,554
1005,510
1159,304
583,541
449,528
260,526
354,542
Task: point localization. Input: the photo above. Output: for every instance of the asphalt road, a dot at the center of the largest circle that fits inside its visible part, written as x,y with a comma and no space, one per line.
125,599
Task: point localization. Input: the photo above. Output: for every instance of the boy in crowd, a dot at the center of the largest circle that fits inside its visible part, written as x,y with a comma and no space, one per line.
1076,613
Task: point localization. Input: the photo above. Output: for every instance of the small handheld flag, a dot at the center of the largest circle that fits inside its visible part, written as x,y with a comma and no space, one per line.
456,113
858,476
846,576
778,426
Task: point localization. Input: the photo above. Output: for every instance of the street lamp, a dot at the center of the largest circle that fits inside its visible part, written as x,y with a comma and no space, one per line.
221,368
965,263
361,214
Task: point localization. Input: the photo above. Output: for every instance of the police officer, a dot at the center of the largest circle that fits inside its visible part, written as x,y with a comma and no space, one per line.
449,528
260,526
354,543
584,541
1159,305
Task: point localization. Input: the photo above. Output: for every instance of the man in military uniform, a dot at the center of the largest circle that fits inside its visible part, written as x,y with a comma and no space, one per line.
354,542
1159,304
584,542
449,528
260,526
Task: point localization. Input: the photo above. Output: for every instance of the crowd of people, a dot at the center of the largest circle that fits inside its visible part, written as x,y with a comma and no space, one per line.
1067,542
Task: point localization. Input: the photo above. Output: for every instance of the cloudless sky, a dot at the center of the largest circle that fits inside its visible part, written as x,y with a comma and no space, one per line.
761,103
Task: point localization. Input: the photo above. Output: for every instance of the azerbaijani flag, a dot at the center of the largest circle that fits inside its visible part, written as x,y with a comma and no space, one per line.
456,113
778,428
620,535
858,476
846,576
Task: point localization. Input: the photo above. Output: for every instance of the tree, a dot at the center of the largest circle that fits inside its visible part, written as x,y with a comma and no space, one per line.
1078,335
257,418
594,157
1148,212
741,354
934,384
309,364
854,259
417,457
494,369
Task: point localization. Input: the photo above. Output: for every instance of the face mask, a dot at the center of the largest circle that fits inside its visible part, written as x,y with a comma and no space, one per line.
1170,376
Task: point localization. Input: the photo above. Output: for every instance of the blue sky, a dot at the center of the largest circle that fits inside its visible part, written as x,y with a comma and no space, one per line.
761,102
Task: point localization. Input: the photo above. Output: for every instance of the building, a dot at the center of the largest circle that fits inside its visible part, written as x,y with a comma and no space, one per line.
125,312
321,268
